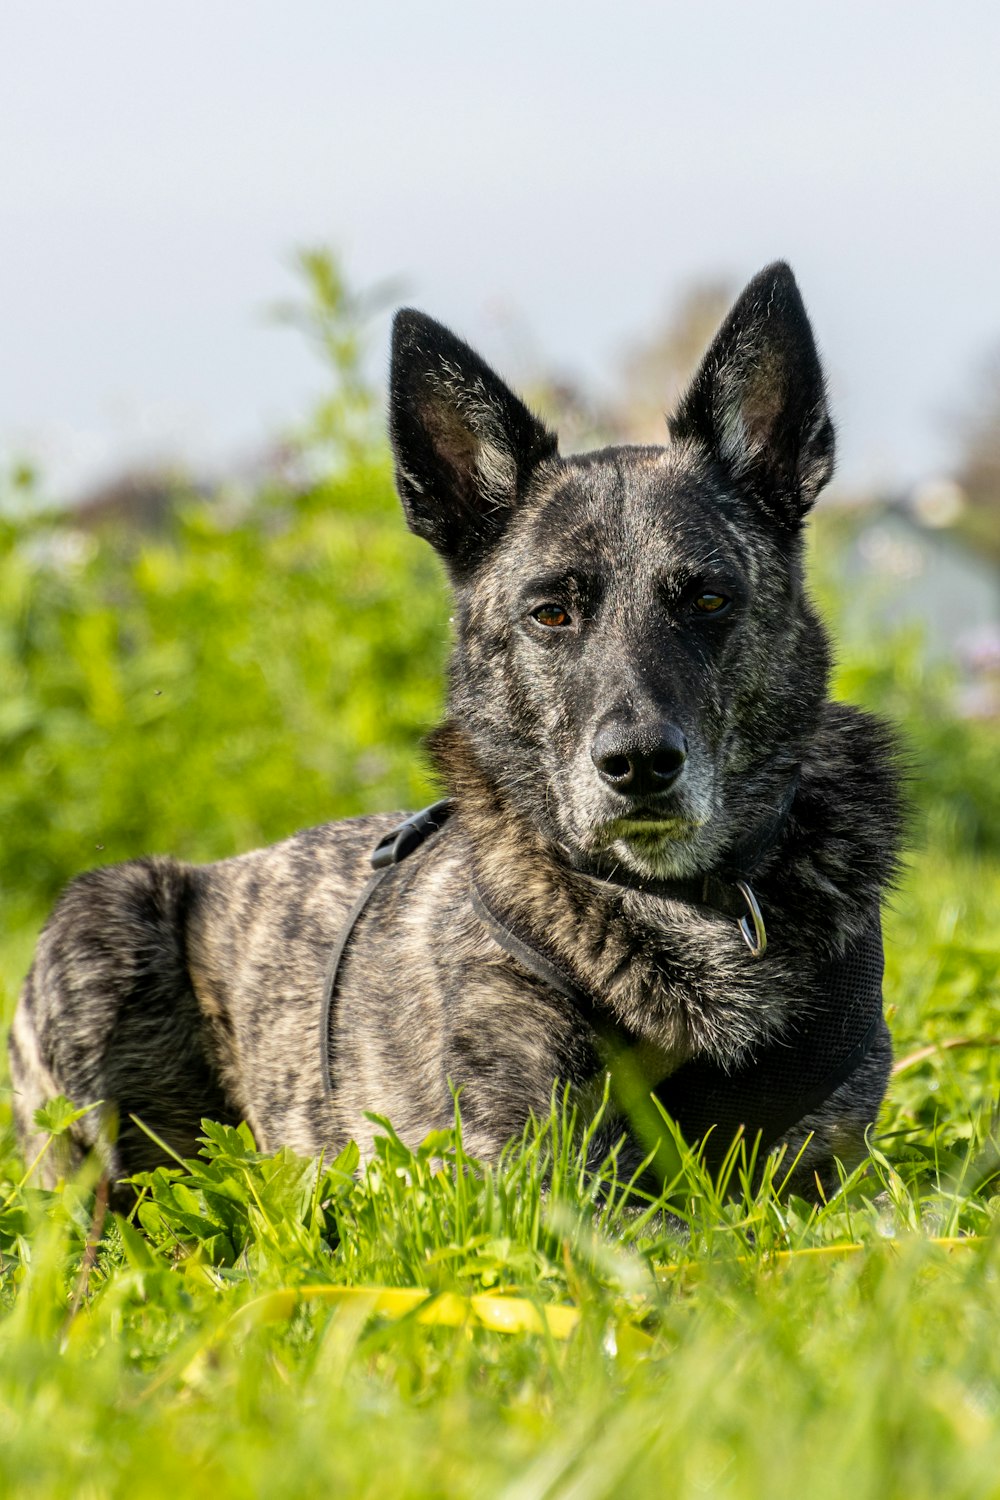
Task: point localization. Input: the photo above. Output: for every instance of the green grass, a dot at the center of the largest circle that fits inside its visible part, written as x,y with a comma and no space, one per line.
739,1346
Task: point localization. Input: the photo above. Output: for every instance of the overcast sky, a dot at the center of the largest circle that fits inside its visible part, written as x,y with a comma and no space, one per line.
567,166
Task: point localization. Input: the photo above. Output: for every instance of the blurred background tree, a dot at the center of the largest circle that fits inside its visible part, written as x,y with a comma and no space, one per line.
978,469
652,375
658,367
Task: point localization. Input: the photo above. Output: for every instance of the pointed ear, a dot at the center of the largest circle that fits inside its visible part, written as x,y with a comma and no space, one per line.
758,403
464,444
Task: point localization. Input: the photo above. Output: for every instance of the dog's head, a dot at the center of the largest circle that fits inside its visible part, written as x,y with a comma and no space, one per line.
636,666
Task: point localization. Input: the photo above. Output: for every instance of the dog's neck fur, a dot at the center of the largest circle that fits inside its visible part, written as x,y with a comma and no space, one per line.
660,966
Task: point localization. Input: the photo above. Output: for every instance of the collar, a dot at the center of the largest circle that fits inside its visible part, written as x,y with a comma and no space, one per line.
726,887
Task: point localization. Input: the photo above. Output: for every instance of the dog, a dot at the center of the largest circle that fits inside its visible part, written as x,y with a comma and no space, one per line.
662,854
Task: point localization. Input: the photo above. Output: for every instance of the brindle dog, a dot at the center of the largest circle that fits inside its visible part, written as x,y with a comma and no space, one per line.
639,689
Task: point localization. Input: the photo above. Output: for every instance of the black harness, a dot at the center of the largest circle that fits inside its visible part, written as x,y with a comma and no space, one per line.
776,1085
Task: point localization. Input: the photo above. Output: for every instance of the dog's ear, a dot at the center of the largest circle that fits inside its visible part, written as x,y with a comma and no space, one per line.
464,444
758,402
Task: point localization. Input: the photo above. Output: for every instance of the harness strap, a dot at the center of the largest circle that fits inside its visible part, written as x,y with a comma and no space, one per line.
529,957
390,850
779,1084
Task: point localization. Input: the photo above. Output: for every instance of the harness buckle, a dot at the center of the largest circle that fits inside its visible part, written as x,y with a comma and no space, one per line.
394,846
755,937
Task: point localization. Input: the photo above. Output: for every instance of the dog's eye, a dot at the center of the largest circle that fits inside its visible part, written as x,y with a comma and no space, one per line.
551,614
712,604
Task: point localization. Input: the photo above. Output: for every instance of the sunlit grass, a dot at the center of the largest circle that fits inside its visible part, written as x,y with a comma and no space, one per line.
270,1325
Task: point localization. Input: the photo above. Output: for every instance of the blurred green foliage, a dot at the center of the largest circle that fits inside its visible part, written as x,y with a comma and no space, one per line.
214,687
265,660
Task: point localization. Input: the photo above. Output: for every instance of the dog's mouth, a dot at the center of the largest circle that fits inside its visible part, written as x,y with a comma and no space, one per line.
650,844
647,828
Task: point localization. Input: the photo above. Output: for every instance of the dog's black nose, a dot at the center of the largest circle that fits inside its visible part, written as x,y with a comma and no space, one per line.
639,760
